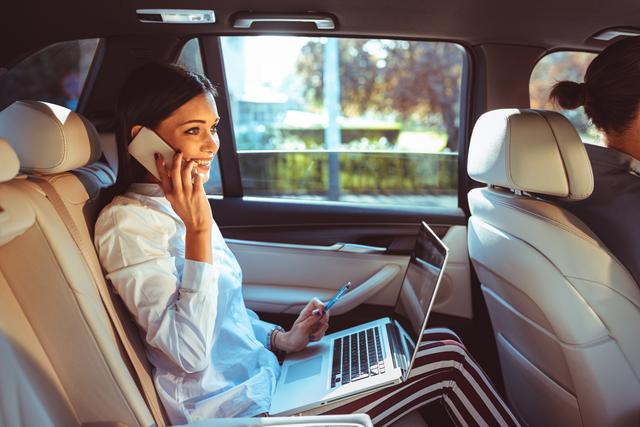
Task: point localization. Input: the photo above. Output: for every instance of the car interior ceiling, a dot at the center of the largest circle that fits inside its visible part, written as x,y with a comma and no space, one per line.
504,39
546,24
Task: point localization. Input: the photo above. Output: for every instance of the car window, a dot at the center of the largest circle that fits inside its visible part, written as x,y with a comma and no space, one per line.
54,74
191,58
349,120
555,67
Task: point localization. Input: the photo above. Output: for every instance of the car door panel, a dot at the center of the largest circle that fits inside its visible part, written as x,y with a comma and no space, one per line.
283,279
291,252
292,287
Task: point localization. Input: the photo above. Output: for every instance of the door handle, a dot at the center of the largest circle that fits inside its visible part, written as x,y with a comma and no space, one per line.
293,299
360,249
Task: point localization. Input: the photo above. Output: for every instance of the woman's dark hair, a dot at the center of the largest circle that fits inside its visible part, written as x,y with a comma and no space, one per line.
150,94
611,89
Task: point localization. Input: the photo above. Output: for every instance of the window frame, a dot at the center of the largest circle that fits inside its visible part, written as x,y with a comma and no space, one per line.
92,75
213,63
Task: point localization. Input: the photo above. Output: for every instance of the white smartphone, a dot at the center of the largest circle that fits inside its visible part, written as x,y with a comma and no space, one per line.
143,147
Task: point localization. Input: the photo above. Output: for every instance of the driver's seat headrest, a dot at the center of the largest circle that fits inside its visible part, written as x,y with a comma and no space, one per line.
534,151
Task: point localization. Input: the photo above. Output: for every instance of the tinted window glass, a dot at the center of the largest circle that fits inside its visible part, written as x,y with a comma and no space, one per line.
352,120
54,74
190,57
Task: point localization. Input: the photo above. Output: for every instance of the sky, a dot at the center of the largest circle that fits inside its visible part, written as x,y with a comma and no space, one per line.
268,59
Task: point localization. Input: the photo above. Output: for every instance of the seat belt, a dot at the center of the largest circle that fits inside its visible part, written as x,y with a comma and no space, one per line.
110,301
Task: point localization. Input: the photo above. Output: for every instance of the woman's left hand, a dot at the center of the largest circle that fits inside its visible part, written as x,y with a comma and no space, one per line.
310,326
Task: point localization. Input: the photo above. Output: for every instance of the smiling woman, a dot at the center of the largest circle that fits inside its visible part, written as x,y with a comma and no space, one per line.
191,130
183,114
169,263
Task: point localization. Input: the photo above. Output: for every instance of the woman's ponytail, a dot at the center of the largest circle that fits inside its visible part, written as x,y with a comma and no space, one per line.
610,93
569,95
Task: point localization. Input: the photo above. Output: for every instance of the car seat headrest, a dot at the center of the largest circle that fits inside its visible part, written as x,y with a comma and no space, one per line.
534,151
49,138
9,164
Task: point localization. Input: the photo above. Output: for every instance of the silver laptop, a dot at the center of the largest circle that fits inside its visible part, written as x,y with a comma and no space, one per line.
368,356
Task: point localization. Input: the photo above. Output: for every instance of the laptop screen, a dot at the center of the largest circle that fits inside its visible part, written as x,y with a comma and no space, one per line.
420,284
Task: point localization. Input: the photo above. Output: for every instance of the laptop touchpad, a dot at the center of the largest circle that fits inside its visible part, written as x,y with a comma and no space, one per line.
303,369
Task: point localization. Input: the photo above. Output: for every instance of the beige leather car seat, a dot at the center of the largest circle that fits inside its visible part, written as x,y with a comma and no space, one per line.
47,273
30,391
565,312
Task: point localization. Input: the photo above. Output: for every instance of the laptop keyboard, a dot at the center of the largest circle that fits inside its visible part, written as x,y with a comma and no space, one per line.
356,356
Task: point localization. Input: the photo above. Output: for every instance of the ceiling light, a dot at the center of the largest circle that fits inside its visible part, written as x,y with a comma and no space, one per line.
176,16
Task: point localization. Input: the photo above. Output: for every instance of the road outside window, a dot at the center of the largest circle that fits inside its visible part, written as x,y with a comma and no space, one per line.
556,67
349,120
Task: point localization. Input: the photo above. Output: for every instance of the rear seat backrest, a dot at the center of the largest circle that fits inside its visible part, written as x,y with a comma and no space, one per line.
48,275
30,391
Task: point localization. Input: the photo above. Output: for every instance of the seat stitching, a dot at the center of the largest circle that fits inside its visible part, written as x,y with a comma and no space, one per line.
567,282
566,170
548,220
564,227
507,157
606,286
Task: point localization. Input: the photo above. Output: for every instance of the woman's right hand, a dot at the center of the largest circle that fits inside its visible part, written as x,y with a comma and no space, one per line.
310,326
189,200
187,197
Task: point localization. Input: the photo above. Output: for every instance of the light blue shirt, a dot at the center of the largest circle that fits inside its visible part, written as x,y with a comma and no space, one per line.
209,351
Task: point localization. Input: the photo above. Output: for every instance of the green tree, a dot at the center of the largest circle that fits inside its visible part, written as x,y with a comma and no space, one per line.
417,83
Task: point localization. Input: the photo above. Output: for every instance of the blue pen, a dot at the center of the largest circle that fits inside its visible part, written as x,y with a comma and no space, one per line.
343,290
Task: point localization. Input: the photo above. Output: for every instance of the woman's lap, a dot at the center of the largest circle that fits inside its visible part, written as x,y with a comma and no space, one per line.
443,369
